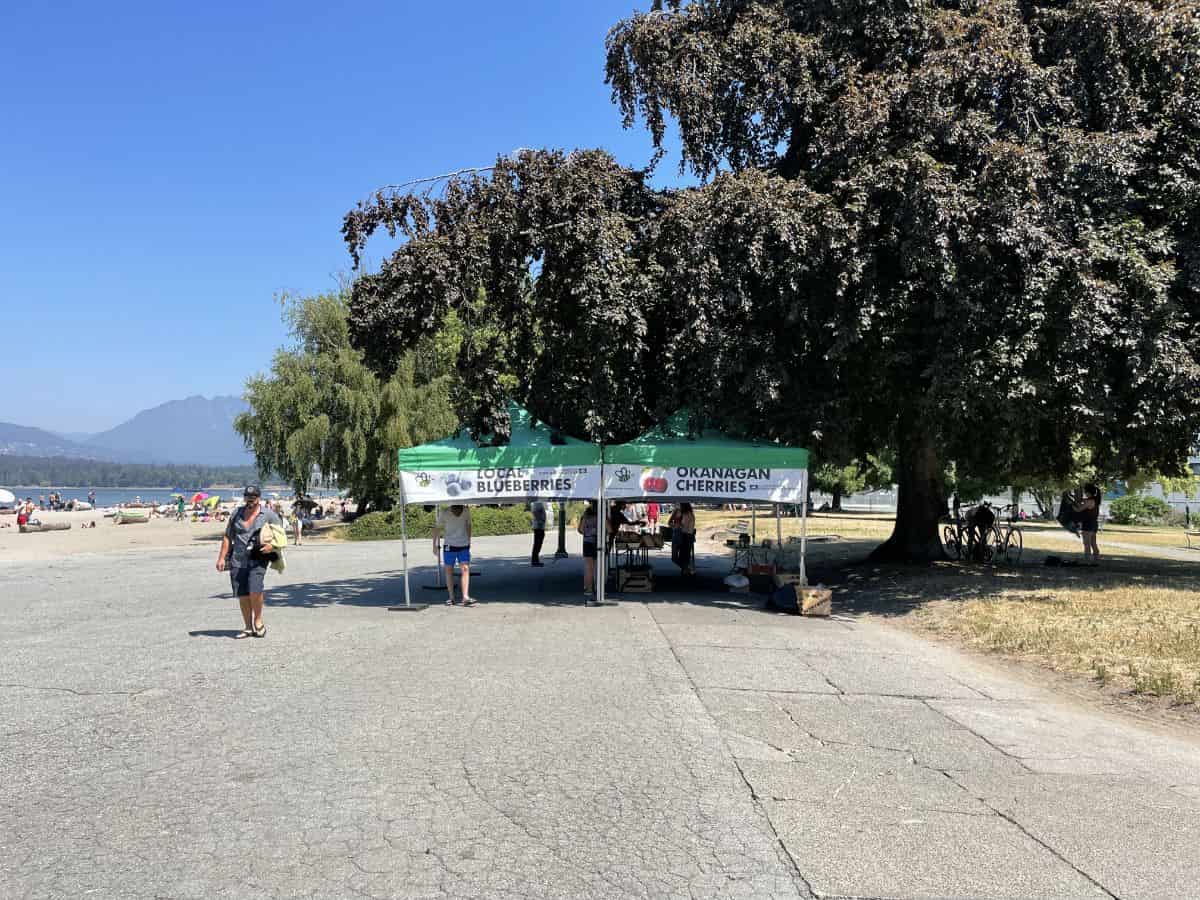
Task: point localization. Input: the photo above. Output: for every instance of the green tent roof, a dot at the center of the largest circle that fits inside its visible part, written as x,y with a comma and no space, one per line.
529,446
669,444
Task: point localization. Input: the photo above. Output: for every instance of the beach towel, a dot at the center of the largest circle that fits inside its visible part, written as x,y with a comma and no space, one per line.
278,540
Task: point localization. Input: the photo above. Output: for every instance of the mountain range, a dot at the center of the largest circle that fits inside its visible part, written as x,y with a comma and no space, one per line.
193,430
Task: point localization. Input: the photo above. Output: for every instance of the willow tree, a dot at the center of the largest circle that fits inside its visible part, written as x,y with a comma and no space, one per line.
322,408
964,230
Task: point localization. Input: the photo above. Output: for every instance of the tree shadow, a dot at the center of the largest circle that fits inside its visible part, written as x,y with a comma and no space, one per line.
875,589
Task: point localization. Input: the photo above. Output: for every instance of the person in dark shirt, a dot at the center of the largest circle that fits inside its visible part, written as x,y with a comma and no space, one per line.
245,552
1087,514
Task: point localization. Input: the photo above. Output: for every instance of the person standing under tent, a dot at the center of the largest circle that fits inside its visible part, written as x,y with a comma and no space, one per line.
587,527
454,525
683,538
245,553
538,510
652,515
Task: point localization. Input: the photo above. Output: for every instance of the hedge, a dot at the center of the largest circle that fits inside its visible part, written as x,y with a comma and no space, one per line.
485,520
1134,509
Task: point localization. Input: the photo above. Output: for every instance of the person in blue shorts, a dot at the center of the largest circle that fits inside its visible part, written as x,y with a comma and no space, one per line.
244,554
454,526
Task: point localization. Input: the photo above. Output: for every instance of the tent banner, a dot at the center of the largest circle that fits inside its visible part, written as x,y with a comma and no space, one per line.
700,482
501,484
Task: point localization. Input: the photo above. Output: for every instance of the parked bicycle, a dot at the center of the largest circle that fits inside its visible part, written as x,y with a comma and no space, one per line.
980,536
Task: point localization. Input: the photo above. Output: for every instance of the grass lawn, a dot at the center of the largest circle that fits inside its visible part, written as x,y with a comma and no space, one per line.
1131,625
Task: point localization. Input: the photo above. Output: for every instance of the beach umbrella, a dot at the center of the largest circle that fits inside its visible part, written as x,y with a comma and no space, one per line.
7,496
198,496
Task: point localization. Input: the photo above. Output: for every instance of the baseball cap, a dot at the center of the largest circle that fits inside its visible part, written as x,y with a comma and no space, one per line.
252,491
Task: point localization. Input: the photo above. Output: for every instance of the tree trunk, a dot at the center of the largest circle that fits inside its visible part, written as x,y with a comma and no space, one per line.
835,505
922,498
1045,503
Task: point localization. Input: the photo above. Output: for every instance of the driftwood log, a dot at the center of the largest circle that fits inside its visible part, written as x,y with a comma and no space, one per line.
45,526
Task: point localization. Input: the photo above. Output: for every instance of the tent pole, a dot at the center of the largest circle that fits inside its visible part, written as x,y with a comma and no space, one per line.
804,535
601,541
778,538
408,604
437,553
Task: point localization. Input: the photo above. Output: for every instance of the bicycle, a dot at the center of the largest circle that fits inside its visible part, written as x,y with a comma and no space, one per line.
1008,540
962,541
1000,541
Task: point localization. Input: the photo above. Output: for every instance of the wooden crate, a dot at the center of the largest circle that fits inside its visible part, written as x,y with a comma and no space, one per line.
815,601
635,581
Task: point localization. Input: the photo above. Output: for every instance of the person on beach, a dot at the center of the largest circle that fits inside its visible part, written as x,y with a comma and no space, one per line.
297,523
244,552
1087,514
454,524
92,498
587,526
538,510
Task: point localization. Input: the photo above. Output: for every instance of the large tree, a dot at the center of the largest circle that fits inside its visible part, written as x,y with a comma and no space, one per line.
966,231
322,408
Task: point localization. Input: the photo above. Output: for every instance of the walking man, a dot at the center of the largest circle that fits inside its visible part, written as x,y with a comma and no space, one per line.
454,524
538,509
245,553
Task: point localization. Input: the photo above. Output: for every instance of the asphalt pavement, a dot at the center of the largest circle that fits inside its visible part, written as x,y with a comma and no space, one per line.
684,744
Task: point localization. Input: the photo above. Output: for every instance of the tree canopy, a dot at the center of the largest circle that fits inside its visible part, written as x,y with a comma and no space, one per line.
964,230
321,408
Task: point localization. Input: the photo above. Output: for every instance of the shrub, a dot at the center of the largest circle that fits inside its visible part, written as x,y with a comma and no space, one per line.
485,520
1134,509
1176,518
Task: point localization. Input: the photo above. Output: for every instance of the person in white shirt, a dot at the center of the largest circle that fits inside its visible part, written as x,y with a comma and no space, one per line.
454,525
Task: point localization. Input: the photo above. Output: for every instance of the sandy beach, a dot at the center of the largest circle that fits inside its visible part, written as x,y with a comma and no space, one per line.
105,537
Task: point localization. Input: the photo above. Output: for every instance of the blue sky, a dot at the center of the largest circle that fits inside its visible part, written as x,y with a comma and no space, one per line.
167,168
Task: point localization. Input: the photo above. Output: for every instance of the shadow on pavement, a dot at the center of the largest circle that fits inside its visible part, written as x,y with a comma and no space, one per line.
513,580
216,633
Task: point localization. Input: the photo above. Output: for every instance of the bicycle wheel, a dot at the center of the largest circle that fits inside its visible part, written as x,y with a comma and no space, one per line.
952,543
996,540
1013,545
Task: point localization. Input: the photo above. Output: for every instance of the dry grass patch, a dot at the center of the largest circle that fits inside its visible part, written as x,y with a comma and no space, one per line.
1143,637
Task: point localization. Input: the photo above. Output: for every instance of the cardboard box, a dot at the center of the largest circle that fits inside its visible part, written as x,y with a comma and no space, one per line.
782,578
815,601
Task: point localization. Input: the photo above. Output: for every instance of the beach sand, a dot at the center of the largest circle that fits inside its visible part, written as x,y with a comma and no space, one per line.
107,537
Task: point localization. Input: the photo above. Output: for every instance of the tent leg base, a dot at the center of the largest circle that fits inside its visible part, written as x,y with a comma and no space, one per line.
416,607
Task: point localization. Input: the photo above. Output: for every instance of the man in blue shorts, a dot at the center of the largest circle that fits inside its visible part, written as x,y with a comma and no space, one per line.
454,525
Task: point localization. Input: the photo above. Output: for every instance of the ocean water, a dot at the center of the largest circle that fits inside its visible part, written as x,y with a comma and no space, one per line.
112,496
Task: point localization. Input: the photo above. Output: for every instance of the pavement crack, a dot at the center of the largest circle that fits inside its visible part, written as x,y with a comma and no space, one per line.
1033,837
1017,759
781,848
67,690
